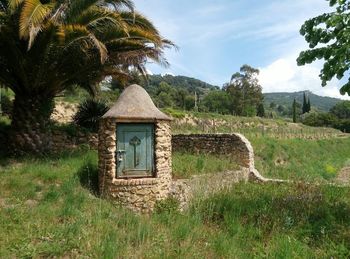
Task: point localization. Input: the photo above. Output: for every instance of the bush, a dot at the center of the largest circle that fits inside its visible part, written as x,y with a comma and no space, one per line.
320,120
342,110
88,114
343,125
169,205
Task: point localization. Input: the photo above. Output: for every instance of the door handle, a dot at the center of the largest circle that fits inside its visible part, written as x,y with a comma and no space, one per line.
119,155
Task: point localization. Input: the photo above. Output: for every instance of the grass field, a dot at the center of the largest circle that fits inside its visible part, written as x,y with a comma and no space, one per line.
49,207
298,159
47,211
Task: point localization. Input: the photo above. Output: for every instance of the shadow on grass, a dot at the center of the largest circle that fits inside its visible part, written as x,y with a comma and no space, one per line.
88,177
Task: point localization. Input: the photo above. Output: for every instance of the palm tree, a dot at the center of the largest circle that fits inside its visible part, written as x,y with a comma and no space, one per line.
49,45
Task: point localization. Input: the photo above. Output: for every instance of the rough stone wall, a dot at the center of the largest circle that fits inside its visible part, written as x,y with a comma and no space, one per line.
139,195
234,144
61,141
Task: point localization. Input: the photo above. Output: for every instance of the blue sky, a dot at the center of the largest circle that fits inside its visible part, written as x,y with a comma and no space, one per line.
216,37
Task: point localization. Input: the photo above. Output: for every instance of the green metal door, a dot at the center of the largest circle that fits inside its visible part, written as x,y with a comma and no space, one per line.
134,155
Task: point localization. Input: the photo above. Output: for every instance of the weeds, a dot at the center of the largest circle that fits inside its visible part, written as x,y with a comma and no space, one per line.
247,221
186,165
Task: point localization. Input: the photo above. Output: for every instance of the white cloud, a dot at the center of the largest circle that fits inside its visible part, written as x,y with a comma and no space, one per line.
283,75
149,72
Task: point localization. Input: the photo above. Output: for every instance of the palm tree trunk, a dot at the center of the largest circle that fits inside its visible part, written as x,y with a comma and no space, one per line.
30,127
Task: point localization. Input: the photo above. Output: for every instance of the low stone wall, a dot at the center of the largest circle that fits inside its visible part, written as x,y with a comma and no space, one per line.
61,141
232,144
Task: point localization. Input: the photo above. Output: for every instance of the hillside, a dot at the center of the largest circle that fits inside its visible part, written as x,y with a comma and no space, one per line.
190,84
321,103
286,99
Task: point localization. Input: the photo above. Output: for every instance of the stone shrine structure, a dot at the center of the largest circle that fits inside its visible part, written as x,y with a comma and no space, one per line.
135,152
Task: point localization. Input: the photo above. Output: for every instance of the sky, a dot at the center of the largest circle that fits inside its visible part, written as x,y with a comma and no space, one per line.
215,38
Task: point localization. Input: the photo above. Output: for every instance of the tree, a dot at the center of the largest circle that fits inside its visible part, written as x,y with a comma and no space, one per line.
281,109
328,37
308,104
272,105
305,106
341,110
180,97
294,111
164,97
217,101
320,120
47,46
261,110
245,91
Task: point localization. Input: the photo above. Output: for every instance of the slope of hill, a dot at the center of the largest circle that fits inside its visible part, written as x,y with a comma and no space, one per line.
190,84
286,99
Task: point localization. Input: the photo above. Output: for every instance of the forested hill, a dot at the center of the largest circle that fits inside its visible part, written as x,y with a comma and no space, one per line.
188,83
286,99
191,85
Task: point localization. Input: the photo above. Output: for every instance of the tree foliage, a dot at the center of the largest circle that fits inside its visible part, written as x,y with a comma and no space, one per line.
294,111
47,46
328,37
261,110
306,104
245,91
217,101
338,117
342,110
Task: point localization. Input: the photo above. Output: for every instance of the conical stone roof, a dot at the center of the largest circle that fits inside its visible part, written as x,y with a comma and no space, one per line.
135,104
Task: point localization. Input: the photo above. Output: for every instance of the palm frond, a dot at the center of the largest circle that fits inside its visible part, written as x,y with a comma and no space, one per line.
118,4
14,4
101,20
32,16
3,5
77,7
79,34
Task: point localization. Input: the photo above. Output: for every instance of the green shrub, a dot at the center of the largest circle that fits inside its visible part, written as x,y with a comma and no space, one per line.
88,114
175,113
343,125
168,205
320,120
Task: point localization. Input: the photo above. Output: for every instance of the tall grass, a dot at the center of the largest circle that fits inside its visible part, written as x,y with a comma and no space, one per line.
49,207
284,221
296,159
187,164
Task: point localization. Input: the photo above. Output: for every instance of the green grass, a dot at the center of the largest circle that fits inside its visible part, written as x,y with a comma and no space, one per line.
251,220
297,159
186,164
49,207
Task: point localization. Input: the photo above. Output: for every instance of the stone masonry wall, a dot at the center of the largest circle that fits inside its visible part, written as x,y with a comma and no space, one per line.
139,195
61,141
233,144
